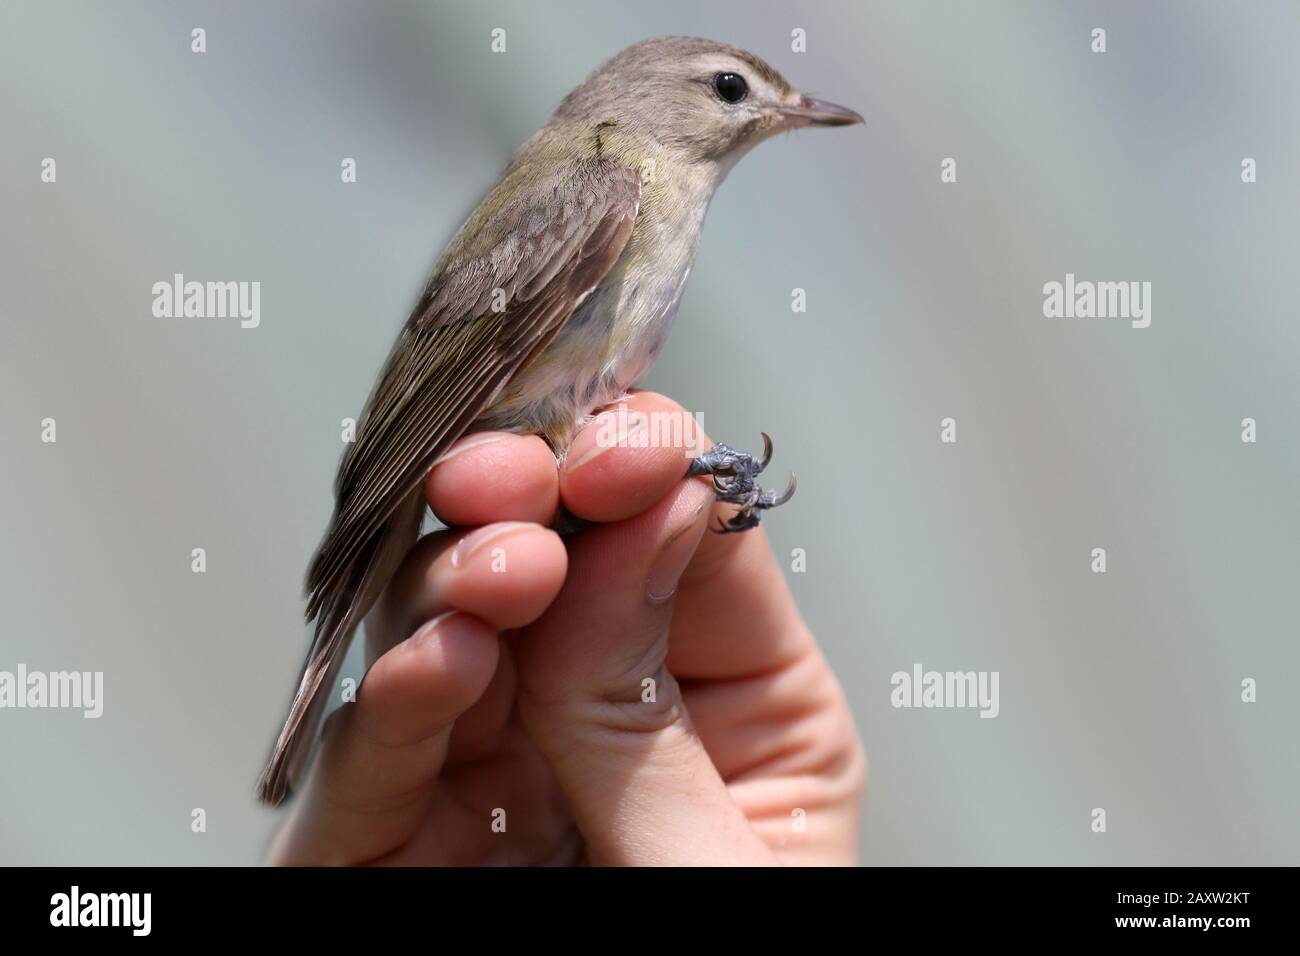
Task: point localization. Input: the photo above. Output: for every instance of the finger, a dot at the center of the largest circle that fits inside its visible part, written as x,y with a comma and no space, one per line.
381,756
634,773
710,640
505,573
494,476
371,785
628,458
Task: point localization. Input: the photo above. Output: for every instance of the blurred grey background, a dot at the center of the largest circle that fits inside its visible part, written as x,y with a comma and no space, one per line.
1118,690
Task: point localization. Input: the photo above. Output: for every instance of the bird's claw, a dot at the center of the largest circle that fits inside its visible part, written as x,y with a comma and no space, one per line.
733,474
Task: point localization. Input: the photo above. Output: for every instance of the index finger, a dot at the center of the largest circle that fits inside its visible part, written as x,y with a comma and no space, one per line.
628,458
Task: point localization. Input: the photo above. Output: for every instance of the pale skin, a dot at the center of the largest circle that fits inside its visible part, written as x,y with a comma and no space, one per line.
507,671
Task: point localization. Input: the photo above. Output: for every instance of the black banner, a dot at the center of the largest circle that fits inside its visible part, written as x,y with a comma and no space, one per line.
329,906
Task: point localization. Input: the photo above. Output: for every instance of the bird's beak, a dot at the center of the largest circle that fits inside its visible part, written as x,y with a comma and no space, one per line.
806,111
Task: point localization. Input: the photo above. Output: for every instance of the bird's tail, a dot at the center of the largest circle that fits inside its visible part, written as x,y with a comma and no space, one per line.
336,622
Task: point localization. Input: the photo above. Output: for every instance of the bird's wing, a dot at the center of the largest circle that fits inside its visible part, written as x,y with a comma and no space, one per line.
537,256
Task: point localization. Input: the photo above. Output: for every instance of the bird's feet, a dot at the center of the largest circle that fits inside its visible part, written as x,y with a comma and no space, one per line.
733,482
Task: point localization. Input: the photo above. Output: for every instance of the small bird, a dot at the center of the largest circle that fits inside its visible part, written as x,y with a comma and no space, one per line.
552,300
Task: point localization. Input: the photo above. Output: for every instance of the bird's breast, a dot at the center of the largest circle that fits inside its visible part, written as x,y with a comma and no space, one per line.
613,337
624,323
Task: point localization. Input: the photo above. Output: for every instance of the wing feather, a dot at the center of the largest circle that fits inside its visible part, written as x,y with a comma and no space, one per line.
542,254
456,354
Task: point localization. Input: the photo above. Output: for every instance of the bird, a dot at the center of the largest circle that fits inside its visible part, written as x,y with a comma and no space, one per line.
552,300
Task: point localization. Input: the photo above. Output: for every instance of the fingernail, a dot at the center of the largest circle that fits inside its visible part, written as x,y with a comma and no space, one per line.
430,629
613,430
474,441
677,551
475,540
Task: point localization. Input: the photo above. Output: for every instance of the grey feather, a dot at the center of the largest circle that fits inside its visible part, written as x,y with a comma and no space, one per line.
455,355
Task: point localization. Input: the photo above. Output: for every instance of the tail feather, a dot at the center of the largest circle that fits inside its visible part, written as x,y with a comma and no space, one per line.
336,622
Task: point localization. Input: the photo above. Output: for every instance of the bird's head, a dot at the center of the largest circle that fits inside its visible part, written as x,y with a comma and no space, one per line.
706,102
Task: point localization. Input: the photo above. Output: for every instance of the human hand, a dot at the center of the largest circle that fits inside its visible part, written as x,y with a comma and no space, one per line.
504,717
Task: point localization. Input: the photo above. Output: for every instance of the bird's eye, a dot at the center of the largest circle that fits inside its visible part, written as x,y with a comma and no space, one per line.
731,87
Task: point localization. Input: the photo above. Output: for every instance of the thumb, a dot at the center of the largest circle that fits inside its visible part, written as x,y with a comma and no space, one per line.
597,700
